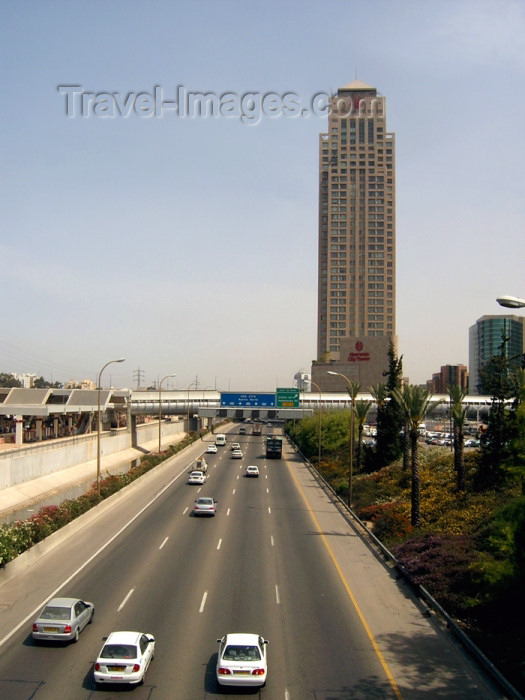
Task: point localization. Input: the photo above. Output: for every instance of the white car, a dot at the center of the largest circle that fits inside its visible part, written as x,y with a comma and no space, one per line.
197,478
124,658
252,470
236,446
212,449
63,619
242,660
237,454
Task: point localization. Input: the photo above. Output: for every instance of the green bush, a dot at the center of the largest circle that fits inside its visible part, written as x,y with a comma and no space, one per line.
17,537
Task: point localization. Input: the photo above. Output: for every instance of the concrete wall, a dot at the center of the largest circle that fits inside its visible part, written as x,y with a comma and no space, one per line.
22,464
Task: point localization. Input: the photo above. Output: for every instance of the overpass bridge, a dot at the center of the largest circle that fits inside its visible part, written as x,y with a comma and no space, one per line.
51,413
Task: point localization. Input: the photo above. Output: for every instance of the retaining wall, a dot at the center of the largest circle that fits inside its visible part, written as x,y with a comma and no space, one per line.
21,464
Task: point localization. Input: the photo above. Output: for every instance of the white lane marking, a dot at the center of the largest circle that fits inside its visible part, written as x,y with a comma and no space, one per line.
165,540
228,512
219,543
286,695
267,490
203,602
277,598
233,492
269,509
125,600
64,583
185,511
271,540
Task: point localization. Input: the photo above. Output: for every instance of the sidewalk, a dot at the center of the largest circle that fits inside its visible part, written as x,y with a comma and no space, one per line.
16,498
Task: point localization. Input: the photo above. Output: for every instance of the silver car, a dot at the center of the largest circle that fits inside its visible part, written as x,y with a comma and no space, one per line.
205,506
63,619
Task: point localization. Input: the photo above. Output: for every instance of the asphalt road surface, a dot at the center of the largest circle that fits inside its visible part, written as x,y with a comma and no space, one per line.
278,559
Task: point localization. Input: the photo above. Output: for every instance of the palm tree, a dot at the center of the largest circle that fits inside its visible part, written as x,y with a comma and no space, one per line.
414,402
361,413
458,413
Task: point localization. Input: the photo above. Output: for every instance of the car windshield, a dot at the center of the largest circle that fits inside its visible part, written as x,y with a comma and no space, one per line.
240,652
119,651
204,502
56,613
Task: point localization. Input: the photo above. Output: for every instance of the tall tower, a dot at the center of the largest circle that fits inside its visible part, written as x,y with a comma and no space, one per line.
357,241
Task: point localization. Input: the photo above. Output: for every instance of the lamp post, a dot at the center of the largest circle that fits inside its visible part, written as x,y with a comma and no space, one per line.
99,418
353,389
511,302
319,435
160,402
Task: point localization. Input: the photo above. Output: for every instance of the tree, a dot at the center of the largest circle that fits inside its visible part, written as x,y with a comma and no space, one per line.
41,383
361,413
501,384
458,413
9,380
389,417
414,403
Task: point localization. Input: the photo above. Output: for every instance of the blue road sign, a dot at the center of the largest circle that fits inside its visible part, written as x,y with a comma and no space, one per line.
248,400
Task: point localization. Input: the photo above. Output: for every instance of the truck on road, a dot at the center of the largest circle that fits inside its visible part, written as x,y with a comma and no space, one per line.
274,447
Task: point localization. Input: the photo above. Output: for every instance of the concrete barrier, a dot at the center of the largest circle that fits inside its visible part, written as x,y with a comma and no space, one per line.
29,462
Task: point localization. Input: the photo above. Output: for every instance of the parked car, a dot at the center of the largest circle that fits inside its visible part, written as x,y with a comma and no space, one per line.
242,660
197,478
124,658
252,471
205,505
63,619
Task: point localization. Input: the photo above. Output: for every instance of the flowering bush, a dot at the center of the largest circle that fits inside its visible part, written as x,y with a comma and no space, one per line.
17,537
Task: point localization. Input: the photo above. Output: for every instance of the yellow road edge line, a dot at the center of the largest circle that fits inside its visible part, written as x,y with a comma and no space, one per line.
360,614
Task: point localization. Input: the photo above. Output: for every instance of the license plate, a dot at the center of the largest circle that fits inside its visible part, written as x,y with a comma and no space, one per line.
116,669
51,630
242,673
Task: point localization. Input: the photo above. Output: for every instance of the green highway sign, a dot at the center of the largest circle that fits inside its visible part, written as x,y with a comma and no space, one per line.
287,398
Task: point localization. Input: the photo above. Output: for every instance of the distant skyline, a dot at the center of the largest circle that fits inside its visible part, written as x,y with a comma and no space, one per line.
188,245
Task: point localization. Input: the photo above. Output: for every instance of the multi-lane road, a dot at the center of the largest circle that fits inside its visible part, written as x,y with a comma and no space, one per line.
278,559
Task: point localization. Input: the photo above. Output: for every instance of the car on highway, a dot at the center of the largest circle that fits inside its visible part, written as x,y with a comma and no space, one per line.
205,505
241,660
211,449
242,431
252,471
63,619
237,454
197,478
124,658
236,446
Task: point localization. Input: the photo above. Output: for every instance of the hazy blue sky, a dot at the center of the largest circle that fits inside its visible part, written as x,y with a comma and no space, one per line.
190,245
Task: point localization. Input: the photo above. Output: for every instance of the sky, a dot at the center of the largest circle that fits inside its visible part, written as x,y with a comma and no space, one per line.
188,245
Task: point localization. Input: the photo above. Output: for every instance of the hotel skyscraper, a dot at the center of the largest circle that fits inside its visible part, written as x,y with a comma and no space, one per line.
357,241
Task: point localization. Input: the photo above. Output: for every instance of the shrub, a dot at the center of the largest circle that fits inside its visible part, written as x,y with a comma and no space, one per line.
446,566
17,537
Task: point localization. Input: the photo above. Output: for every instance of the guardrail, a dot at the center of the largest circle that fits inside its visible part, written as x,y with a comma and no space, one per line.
420,591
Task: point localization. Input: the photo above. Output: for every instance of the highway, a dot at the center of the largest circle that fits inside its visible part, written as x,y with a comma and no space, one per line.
278,559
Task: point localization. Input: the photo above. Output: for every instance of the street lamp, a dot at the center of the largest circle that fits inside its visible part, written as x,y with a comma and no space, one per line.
122,359
319,436
353,389
160,401
511,302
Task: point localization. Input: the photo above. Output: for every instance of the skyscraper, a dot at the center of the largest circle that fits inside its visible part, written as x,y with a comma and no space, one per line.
491,336
357,240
